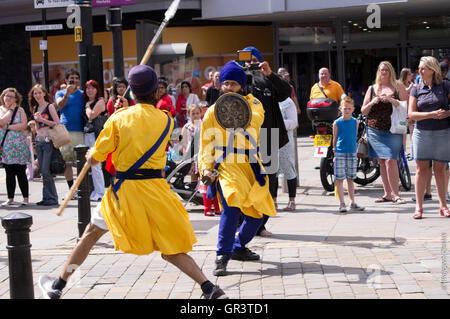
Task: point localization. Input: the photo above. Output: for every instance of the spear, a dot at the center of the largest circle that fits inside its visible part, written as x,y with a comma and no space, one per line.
151,47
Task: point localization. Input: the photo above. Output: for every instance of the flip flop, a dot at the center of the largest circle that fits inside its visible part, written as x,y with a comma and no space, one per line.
399,201
383,200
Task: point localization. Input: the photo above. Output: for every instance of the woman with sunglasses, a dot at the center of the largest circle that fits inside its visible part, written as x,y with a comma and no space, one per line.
15,151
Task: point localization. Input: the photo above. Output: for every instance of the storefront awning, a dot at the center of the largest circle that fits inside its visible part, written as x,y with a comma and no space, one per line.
165,53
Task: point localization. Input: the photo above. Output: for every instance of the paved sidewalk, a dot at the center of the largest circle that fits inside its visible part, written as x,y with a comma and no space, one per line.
315,252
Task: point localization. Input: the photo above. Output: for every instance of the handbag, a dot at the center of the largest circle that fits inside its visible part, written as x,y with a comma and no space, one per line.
99,122
362,148
10,123
57,164
59,135
398,118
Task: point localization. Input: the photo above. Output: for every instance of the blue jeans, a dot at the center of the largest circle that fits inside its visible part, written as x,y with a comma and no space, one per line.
44,153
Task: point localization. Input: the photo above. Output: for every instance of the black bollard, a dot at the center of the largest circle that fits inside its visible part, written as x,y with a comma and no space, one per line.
17,226
84,201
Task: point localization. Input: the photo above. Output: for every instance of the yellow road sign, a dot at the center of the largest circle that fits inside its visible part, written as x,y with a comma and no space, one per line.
78,31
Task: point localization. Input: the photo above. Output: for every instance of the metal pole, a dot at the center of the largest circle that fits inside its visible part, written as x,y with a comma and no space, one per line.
84,201
116,28
44,37
17,226
86,24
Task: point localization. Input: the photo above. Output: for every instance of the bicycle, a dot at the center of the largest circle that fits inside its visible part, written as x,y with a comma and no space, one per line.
403,170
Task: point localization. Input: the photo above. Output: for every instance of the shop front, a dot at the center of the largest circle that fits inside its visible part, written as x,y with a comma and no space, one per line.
352,51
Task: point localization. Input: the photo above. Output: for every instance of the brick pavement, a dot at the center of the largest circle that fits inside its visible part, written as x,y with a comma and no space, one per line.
315,252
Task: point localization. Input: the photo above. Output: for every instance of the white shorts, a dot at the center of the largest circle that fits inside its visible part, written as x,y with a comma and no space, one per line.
97,218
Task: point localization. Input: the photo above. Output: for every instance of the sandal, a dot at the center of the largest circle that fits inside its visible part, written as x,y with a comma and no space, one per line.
444,212
290,206
383,200
418,214
399,201
208,213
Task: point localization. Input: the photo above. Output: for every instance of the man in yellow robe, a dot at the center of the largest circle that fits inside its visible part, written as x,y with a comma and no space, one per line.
241,184
139,209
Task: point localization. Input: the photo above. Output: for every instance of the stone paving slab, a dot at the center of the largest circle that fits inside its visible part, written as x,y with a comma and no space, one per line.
315,251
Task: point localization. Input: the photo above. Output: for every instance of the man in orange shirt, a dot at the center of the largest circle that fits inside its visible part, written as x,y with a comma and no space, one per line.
332,89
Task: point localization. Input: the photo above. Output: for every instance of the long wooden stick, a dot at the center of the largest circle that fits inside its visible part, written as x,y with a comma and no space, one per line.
74,188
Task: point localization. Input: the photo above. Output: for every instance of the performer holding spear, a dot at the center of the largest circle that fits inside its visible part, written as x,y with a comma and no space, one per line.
139,209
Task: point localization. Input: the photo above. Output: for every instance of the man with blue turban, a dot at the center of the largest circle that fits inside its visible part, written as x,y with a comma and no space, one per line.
270,89
241,185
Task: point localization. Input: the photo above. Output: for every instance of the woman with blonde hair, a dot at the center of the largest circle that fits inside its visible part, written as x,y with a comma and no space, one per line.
383,145
428,106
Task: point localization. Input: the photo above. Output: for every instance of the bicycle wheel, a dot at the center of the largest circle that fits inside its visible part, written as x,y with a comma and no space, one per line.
404,174
327,172
367,171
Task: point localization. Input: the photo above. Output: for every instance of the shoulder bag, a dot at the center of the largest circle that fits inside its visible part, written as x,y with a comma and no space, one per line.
6,132
398,118
57,164
59,135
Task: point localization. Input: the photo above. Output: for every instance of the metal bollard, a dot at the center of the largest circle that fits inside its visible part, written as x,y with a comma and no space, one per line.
84,201
17,226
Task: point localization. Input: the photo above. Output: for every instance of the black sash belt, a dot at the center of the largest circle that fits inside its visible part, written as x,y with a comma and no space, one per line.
140,174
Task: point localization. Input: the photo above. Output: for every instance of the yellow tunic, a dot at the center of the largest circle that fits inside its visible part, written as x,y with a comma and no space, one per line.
148,216
237,180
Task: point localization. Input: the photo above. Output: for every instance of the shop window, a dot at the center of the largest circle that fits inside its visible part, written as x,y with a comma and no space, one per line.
298,34
428,28
358,31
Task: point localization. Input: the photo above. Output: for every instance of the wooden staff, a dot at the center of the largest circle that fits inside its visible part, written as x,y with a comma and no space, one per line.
151,47
74,188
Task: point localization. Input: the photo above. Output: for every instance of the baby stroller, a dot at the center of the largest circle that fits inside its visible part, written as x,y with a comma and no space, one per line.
176,175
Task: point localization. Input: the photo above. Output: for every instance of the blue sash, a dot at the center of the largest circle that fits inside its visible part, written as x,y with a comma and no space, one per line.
133,171
256,168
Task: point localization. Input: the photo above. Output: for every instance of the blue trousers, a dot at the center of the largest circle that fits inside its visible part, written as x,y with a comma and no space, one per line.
228,242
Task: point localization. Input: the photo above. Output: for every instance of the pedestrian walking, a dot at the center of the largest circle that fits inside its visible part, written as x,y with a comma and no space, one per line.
141,212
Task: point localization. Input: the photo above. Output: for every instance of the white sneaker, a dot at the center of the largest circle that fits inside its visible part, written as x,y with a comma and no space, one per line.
45,284
356,207
342,208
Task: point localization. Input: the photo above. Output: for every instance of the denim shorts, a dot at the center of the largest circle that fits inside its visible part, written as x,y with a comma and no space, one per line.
345,165
431,145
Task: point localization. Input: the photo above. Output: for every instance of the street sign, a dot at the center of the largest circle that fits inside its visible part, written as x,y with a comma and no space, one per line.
109,3
42,45
43,4
78,31
43,27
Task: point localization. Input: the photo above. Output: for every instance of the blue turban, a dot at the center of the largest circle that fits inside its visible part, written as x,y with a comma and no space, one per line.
255,52
232,71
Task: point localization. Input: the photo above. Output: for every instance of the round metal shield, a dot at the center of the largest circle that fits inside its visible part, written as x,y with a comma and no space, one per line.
232,110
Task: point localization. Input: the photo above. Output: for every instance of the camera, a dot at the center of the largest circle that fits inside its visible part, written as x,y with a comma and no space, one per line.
71,81
246,56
